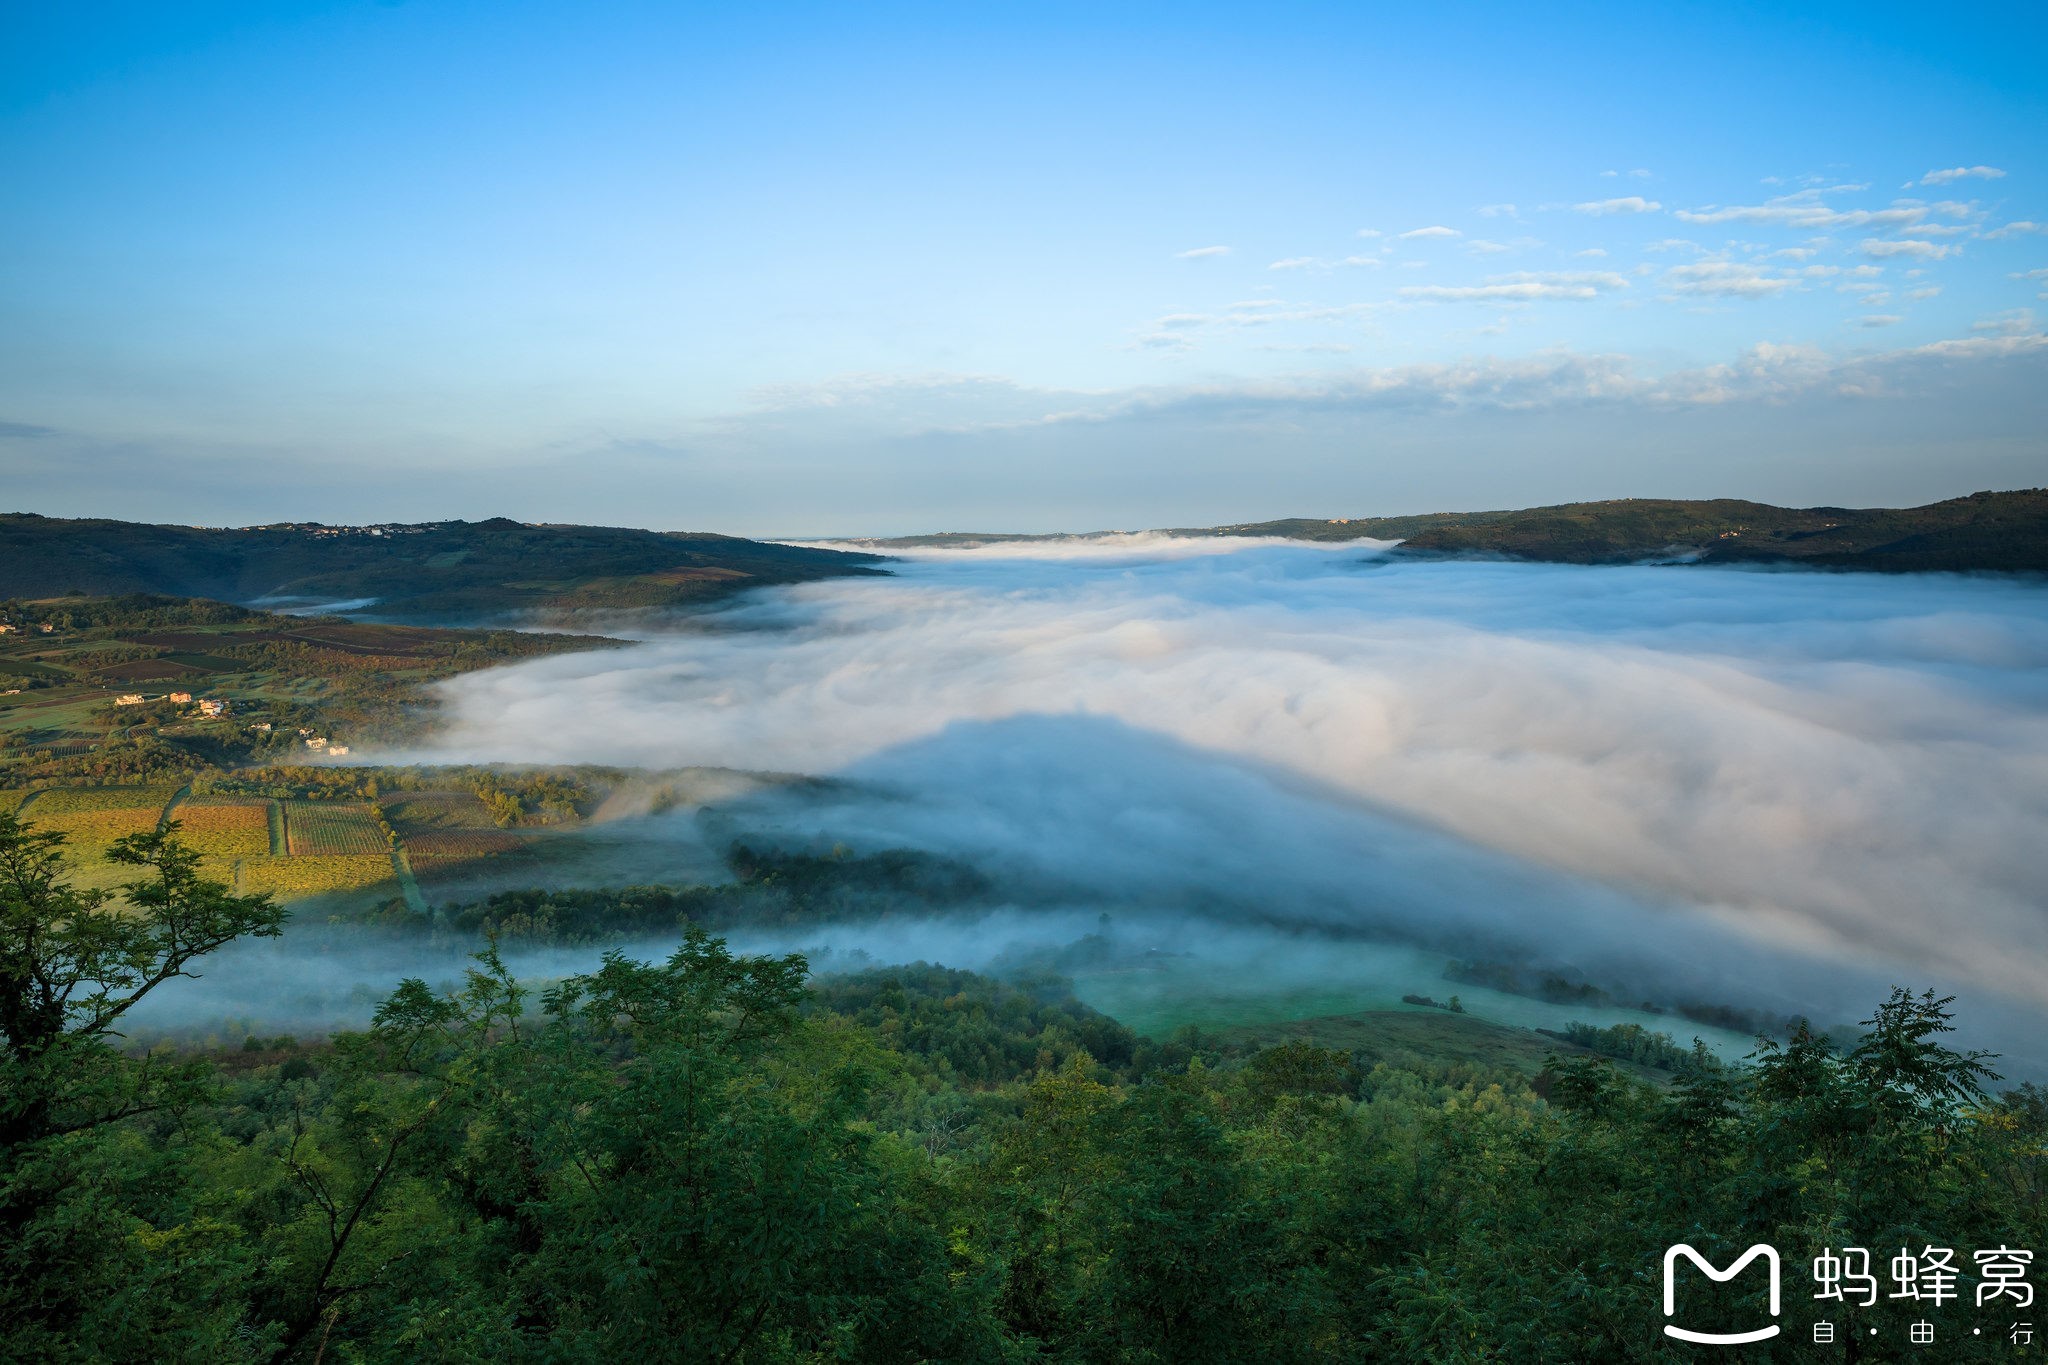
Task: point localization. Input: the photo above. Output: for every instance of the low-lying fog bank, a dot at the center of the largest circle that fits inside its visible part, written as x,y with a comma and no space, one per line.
1786,787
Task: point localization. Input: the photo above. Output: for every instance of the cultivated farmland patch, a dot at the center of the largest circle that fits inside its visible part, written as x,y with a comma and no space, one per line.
315,829
300,877
226,827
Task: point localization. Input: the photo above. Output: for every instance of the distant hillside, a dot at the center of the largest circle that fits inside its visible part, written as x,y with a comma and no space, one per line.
447,569
1984,531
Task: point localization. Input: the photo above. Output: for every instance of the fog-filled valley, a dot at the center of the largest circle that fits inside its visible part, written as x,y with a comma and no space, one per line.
1277,768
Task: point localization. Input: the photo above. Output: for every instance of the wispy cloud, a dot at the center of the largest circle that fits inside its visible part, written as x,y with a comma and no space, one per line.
1498,211
2022,228
1201,252
2015,322
1727,279
1522,287
1766,373
1808,209
1956,173
1637,174
1319,263
1591,253
1918,250
24,431
1634,203
1879,320
1435,231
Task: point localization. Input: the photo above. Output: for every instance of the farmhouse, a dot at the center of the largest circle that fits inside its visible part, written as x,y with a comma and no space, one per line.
4,628
181,697
129,699
337,748
209,706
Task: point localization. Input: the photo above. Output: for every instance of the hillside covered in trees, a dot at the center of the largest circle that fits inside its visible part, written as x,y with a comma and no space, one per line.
715,1158
1984,531
445,570
1987,532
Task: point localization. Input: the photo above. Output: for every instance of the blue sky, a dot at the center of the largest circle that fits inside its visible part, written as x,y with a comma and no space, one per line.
793,269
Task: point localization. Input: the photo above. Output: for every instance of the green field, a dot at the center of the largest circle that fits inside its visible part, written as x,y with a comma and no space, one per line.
1334,990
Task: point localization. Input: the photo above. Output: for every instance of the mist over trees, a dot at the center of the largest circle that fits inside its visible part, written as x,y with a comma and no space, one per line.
710,1158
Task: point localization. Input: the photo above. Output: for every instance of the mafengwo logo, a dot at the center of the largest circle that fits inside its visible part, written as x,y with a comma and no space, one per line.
1768,1254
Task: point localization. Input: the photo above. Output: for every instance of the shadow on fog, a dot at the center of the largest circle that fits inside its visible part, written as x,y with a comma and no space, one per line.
1247,883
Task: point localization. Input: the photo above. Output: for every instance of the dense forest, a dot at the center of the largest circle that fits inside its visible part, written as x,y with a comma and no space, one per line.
716,1158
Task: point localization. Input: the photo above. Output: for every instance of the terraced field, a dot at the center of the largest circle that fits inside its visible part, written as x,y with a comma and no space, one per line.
324,829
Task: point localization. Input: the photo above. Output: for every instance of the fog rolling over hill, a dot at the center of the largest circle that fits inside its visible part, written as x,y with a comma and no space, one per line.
1994,531
1777,787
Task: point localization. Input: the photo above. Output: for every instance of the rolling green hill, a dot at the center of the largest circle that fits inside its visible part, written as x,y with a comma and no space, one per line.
1984,531
2006,532
444,570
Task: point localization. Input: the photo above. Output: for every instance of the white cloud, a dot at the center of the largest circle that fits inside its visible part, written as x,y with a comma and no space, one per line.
1201,252
1498,211
1765,373
1369,232
1727,279
1929,292
2018,229
1879,320
1591,253
1373,261
1295,263
1633,203
1962,173
1924,251
1312,348
1674,244
1522,287
1637,174
2016,322
1807,209
1483,247
1435,231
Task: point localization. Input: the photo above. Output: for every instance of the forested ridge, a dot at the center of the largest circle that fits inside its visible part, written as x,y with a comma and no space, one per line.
452,570
716,1158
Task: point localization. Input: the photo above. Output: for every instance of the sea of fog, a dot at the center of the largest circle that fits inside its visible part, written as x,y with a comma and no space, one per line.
1775,789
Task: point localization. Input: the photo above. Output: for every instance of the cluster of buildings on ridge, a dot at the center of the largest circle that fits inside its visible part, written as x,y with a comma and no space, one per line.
208,706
